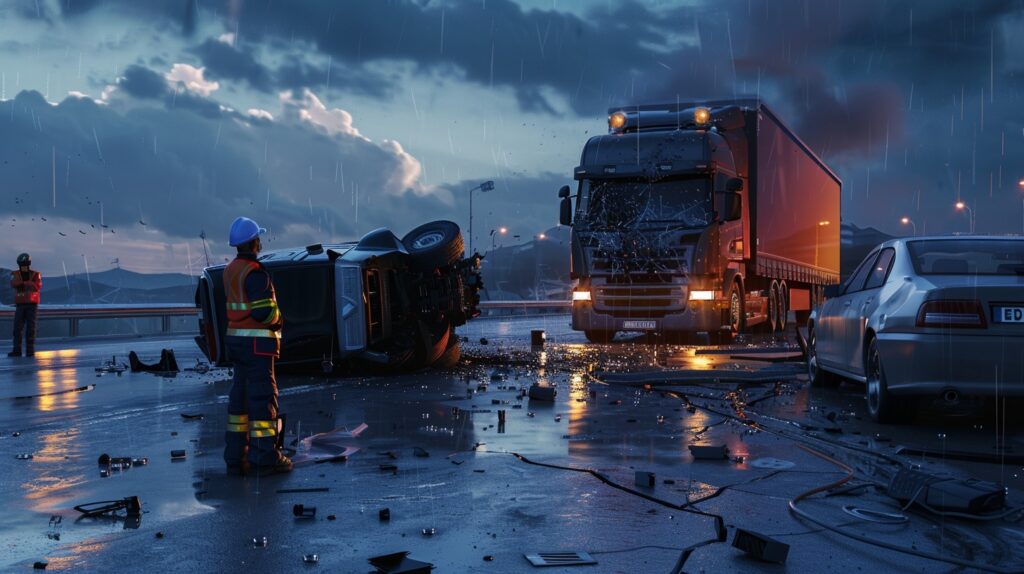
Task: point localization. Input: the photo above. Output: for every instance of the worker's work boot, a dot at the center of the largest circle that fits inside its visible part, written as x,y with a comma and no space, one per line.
30,353
14,353
282,466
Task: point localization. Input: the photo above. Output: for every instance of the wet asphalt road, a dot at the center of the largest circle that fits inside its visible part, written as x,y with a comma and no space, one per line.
479,488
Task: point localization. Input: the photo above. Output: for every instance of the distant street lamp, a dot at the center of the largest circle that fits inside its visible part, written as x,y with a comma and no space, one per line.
483,187
495,233
970,214
910,222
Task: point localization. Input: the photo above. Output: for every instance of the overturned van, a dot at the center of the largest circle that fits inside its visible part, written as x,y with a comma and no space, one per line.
380,301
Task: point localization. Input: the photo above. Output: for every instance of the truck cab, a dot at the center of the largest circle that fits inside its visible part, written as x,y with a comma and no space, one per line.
666,218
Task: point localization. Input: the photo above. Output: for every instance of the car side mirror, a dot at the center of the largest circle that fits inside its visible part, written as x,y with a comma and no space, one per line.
564,192
734,184
831,291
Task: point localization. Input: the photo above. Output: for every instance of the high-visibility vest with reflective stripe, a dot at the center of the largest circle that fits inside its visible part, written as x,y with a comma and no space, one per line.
238,423
239,308
24,295
261,429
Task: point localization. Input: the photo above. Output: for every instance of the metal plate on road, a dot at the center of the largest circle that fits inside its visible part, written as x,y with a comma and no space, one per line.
1008,314
640,325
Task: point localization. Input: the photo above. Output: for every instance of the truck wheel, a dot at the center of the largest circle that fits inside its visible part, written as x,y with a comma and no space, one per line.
600,337
818,376
434,354
737,310
435,244
882,405
452,354
773,307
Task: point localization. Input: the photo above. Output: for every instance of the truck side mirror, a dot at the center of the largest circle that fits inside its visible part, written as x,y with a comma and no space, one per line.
565,208
734,184
565,212
733,208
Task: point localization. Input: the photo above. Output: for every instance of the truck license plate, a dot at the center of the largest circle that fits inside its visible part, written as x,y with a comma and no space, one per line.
1009,314
640,325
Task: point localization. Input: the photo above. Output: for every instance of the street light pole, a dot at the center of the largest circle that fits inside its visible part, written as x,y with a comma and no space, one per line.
483,187
910,222
970,214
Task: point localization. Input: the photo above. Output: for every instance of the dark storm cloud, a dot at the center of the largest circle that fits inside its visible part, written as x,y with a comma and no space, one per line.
183,171
224,61
141,82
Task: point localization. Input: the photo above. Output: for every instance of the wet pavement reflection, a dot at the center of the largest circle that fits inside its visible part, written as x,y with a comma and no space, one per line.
468,465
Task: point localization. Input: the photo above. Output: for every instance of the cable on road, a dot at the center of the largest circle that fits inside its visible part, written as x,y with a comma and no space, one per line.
874,542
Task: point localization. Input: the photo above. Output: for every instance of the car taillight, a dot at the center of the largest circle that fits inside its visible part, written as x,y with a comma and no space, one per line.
951,313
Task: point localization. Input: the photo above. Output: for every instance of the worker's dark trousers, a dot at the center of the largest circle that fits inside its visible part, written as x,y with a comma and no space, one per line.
252,407
25,320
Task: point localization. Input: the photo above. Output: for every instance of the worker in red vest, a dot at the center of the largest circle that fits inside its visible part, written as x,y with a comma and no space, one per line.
253,343
26,284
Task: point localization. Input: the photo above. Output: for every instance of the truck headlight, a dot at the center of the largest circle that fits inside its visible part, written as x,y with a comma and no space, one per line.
702,295
581,295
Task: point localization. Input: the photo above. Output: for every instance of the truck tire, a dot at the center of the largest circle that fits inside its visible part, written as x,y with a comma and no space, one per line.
773,307
435,244
783,321
737,310
600,337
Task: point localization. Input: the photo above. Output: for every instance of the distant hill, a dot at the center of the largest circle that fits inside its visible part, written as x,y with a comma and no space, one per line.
130,280
114,286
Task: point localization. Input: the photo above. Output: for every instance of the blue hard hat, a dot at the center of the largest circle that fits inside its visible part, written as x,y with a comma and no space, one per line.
244,230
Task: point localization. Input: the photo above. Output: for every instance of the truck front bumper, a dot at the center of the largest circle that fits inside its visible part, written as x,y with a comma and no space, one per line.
697,316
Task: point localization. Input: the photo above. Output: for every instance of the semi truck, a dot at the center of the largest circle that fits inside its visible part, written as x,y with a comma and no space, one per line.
699,217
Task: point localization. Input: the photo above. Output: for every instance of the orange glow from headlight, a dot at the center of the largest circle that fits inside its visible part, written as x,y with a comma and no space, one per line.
702,116
617,121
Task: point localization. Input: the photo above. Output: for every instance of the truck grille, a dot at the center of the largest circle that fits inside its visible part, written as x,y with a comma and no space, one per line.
639,301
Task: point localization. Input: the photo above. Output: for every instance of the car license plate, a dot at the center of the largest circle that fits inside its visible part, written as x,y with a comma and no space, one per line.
1008,314
640,325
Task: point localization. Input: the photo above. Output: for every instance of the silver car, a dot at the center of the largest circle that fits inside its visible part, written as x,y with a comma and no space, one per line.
925,317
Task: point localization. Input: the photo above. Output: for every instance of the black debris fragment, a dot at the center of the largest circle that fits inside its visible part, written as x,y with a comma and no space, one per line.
542,393
420,452
302,490
302,511
167,363
399,563
644,479
760,546
40,565
311,558
195,417
384,514
178,454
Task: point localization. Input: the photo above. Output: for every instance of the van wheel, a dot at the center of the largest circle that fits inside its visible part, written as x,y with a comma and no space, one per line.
599,336
450,358
818,376
435,244
882,405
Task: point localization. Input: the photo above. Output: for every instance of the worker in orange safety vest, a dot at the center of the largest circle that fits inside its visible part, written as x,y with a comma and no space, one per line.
26,284
253,344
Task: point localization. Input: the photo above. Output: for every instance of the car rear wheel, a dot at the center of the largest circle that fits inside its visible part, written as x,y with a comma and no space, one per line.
435,244
818,376
599,336
882,405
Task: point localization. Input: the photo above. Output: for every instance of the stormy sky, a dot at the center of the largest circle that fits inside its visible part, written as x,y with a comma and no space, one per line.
127,128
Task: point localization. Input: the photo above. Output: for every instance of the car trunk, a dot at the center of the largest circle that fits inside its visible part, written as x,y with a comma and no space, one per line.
993,292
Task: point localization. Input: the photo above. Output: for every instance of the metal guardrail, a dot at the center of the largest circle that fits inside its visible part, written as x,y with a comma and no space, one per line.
75,314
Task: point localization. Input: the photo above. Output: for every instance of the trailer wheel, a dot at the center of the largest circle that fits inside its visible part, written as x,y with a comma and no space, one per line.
773,307
435,244
783,306
600,337
737,310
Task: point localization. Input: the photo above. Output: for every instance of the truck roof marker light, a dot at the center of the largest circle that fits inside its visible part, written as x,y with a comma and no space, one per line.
609,169
702,116
617,121
665,166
